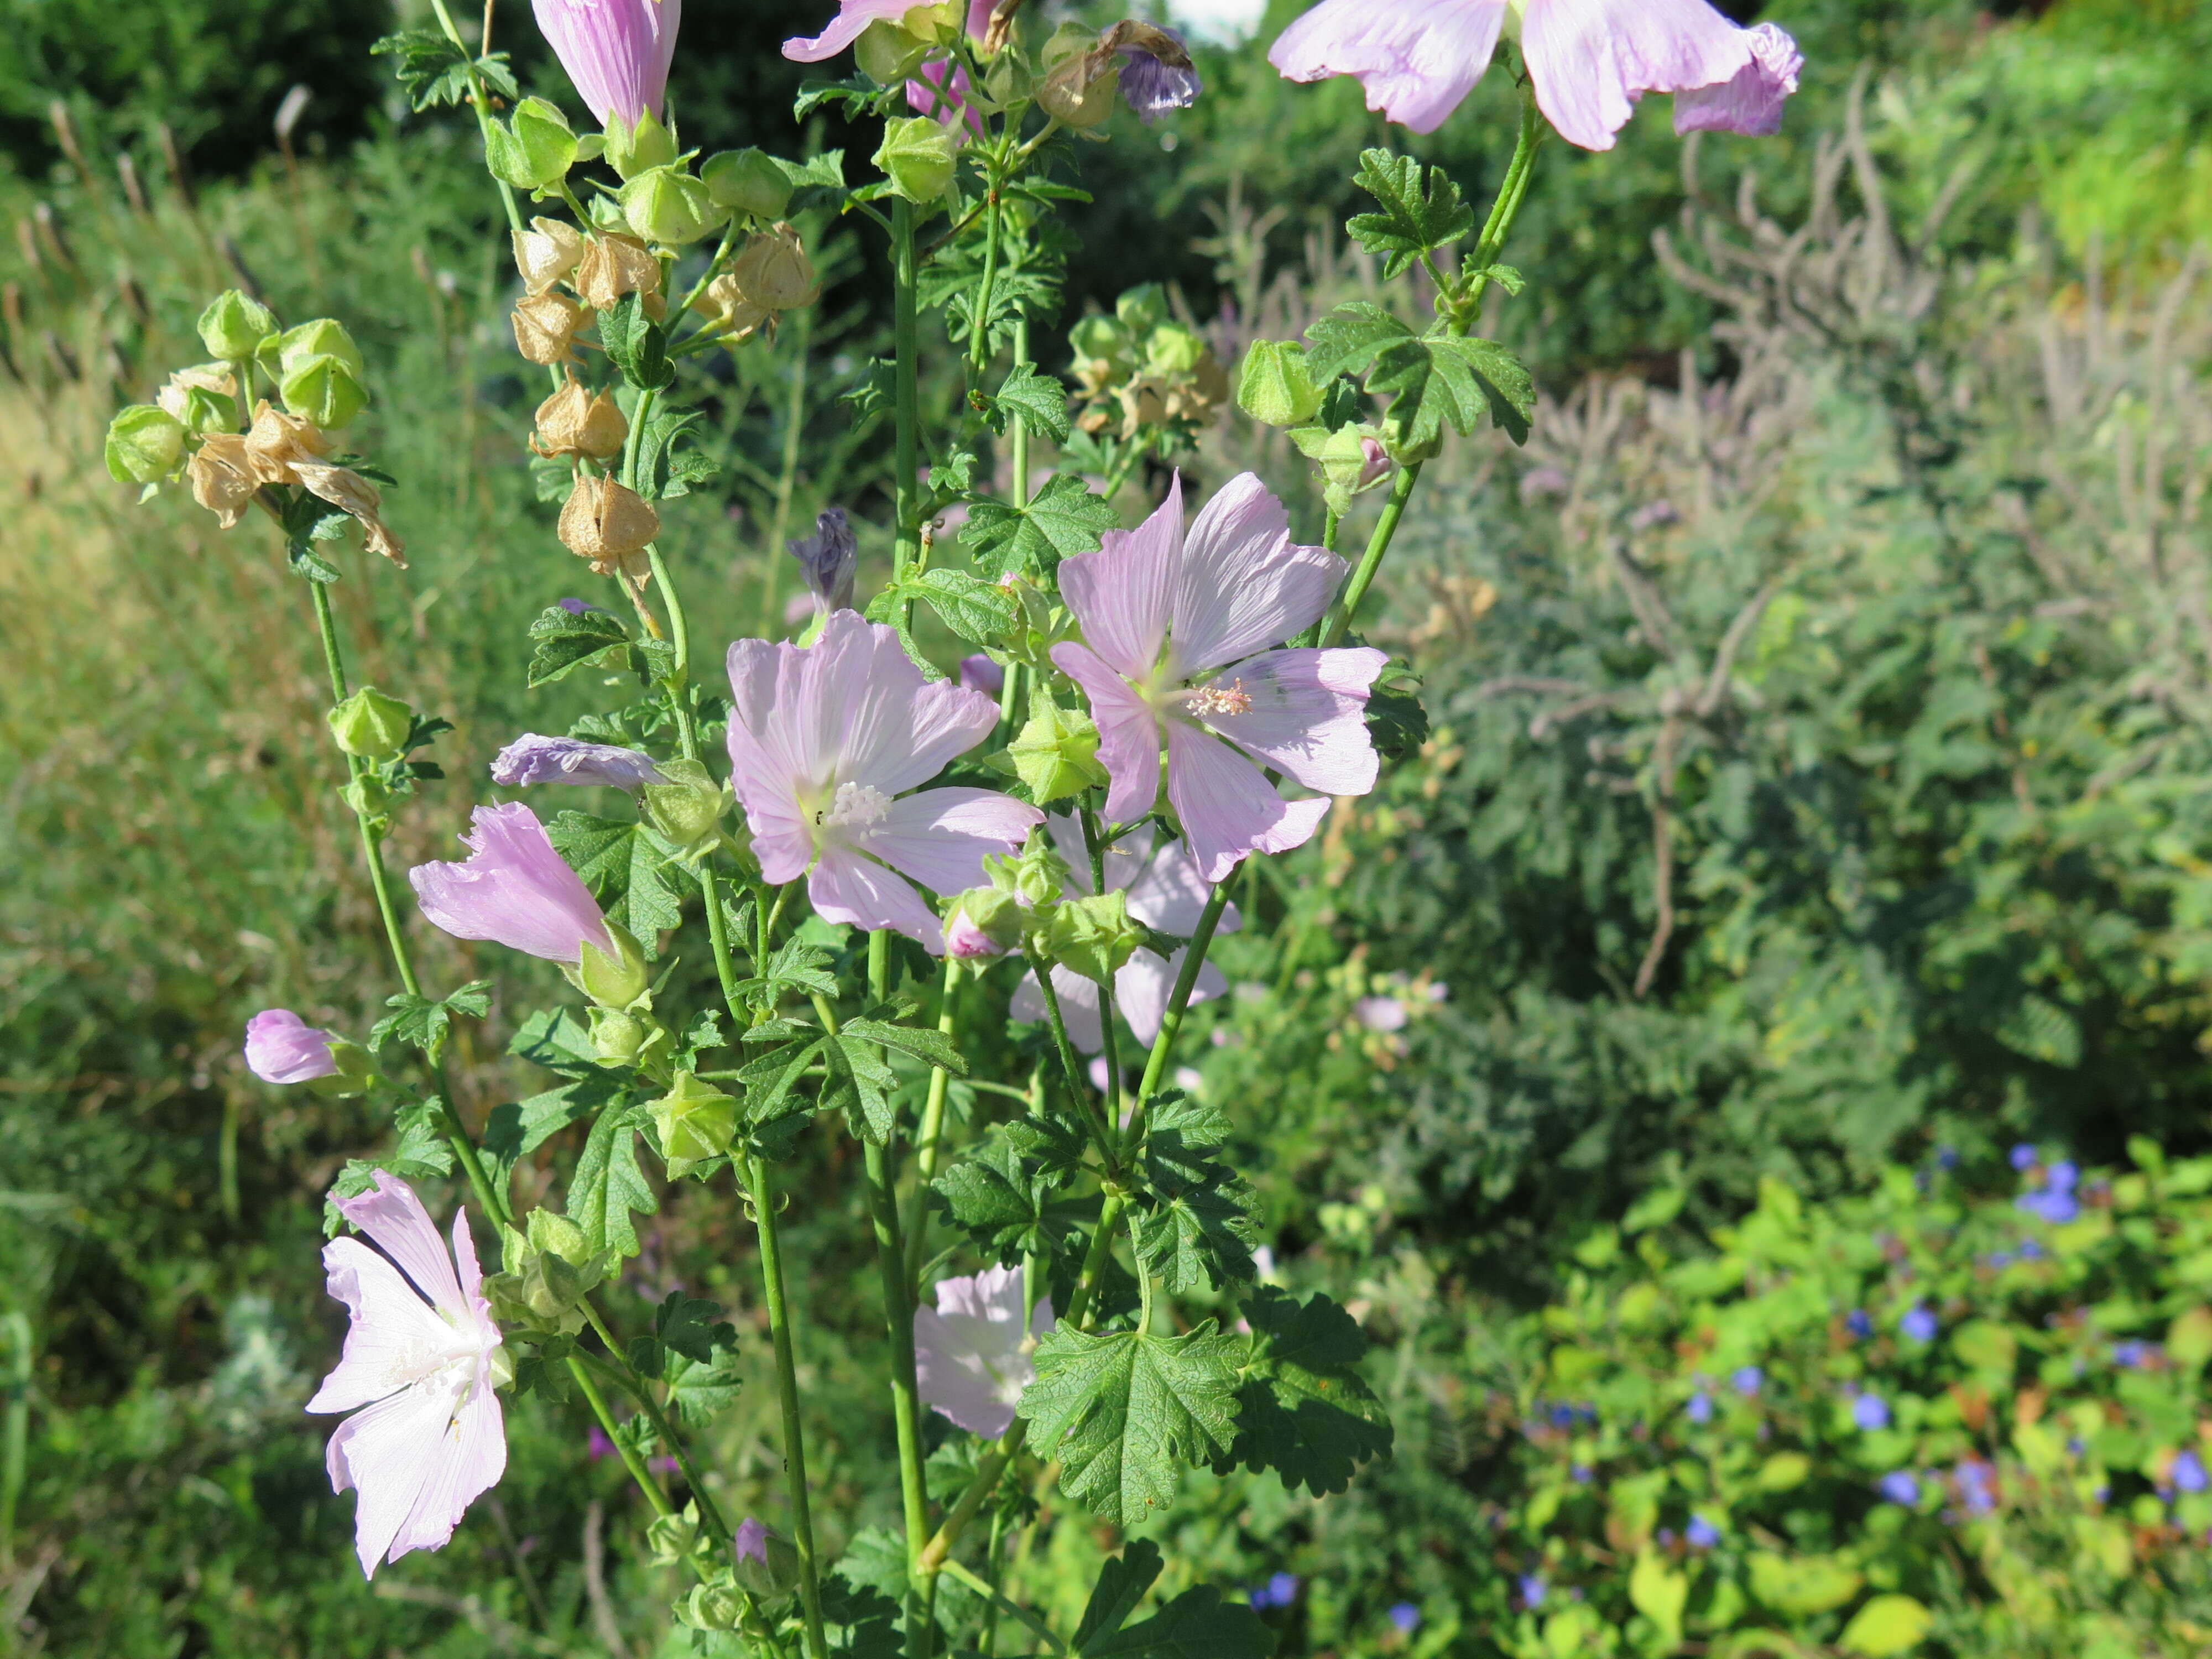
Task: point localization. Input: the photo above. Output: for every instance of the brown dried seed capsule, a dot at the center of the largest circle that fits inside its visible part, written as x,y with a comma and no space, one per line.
774,271
545,327
222,477
277,442
347,490
546,252
608,523
614,265
572,422
729,313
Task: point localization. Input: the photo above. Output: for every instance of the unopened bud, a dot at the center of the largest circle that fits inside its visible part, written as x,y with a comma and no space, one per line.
632,149
773,271
669,206
371,724
715,1605
234,326
887,53
729,313
545,327
1275,387
614,265
535,150
688,807
673,1537
1171,349
1035,876
917,157
608,523
618,1036
1079,91
619,980
573,422
696,1121
984,922
324,390
324,336
1056,752
355,1072
144,444
1093,936
762,1561
546,252
748,181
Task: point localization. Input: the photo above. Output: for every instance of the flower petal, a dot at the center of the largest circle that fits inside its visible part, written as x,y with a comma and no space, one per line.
899,729
1307,717
848,887
852,20
1226,807
282,1048
1078,1008
1124,593
1751,102
1244,585
616,52
1171,894
1125,858
389,1213
513,888
388,1453
1129,733
472,1457
1418,59
394,1339
1591,60
1145,983
939,836
969,1359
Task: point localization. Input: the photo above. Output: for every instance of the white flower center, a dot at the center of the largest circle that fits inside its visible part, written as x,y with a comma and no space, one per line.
857,806
1212,702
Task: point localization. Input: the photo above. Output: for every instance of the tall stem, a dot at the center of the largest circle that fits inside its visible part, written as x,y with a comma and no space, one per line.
1018,432
631,1460
925,1141
640,1390
1156,1065
906,334
762,1189
477,101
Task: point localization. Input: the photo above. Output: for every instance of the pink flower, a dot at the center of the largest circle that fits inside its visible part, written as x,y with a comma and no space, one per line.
971,1354
979,673
1167,893
282,1048
941,90
824,738
1380,1013
851,21
616,51
1158,612
514,888
1589,60
432,1438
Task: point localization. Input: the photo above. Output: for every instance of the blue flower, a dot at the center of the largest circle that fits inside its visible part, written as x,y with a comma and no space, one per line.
1563,1417
1973,1477
2023,1156
1532,1590
2030,1250
1856,1322
1870,1411
2055,1207
2061,1177
1700,1408
1948,1157
2000,1259
1900,1486
1748,1379
2134,1356
1701,1534
1283,1589
2189,1472
1405,1616
1919,1324
1580,1474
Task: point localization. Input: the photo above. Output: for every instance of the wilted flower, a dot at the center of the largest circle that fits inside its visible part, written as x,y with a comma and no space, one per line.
971,1353
282,1048
221,474
546,252
1157,74
774,272
1589,60
828,559
609,523
531,758
824,739
729,313
614,265
1170,623
283,448
574,422
513,888
616,52
545,327
432,1437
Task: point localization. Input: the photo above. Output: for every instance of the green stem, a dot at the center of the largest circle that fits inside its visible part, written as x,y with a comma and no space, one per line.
762,1189
1340,614
631,1460
15,1438
907,408
987,1643
225,1154
641,1391
979,334
478,101
1018,433
925,1141
1095,1259
1078,1086
1156,1065
953,1569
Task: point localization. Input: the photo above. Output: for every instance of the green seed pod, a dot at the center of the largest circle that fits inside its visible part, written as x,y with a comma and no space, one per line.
1093,936
321,336
1056,753
618,1036
144,445
917,157
534,149
716,1604
324,390
371,724
632,149
669,206
1142,309
696,1121
234,326
690,806
1079,91
1274,387
747,181
1171,349
673,1537
615,982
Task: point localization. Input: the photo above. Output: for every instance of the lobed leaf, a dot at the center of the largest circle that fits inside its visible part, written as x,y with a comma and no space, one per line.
1065,518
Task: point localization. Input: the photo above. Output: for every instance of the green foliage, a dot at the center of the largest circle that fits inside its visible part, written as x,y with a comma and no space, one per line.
1421,210
636,876
1064,517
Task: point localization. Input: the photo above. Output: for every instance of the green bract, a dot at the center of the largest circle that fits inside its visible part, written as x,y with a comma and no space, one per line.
747,181
632,150
917,156
667,204
322,337
1274,386
1056,754
1093,936
696,1121
371,724
617,981
325,391
144,444
534,149
234,326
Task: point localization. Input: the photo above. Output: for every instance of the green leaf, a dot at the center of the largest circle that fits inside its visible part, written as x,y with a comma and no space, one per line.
856,92
1040,399
1347,340
565,640
1888,1624
1120,1409
1421,210
1056,1146
1397,724
924,1044
859,1083
770,1079
1196,1624
637,879
663,470
1065,518
608,1187
1430,388
692,1326
1302,1411
636,344
423,1023
434,69
520,1128
1200,1233
1003,1203
1507,386
420,1153
697,1355
558,1041
977,610
1121,1584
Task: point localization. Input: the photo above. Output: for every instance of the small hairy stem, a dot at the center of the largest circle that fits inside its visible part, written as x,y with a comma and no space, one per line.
953,1569
479,102
905,335
1094,1260
1078,1087
979,334
1340,614
631,1460
1156,1065
989,1470
762,1189
927,1141
1017,439
641,1391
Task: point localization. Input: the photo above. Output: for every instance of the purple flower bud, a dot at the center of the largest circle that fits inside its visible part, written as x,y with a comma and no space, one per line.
1918,1325
531,758
1748,1380
2189,1472
1153,86
1870,1411
751,1540
1858,1324
576,607
2023,1156
1700,1408
979,673
828,559
282,1048
1405,1616
1900,1486
1701,1534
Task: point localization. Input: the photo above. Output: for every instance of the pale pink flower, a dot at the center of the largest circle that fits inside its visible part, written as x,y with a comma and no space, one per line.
1590,61
971,1355
1166,892
616,52
1171,627
515,890
1380,1013
282,1048
823,740
533,758
431,1439
979,673
851,21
